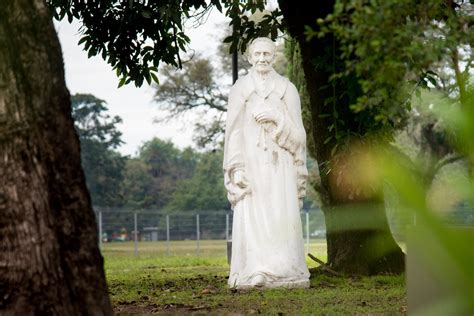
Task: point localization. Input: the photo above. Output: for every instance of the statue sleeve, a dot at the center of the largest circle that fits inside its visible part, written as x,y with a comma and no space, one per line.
233,146
290,134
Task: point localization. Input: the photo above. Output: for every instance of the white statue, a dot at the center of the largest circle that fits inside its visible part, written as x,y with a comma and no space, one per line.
265,176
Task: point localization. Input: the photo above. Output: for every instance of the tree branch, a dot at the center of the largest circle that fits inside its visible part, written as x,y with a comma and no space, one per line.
446,161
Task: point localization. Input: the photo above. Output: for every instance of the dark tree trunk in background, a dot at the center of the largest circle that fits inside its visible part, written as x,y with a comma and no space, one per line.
50,263
359,239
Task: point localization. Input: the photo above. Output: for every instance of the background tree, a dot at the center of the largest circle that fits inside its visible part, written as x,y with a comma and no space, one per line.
136,184
205,189
50,263
358,67
99,136
355,220
152,177
196,89
204,193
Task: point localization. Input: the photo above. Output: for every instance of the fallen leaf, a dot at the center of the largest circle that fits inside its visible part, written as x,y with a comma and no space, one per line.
208,291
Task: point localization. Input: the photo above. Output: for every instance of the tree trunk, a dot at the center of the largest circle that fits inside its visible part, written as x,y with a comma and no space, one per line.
359,239
50,263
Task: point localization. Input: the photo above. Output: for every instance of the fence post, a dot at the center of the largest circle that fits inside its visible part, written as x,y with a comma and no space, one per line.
168,234
135,235
100,230
307,231
198,235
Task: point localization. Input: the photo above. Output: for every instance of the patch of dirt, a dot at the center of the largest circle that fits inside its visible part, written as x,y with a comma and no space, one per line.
144,309
139,308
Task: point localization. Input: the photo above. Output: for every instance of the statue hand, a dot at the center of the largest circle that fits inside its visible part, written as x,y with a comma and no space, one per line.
266,116
240,180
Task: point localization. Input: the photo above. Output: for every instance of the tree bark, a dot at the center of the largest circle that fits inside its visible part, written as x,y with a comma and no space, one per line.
359,239
50,263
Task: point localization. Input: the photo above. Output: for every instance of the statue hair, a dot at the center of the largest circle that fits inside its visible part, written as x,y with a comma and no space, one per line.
262,40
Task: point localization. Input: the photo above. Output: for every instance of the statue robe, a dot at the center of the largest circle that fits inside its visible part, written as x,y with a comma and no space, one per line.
266,235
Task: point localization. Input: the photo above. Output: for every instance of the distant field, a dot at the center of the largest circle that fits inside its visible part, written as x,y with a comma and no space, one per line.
187,248
186,283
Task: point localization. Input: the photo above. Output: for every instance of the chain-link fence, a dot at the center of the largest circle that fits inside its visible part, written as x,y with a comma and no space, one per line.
460,216
118,225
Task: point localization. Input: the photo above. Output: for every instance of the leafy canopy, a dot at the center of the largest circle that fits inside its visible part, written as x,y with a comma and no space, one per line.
392,47
134,37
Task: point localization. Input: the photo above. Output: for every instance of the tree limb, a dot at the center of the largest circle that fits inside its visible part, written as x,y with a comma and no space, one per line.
324,266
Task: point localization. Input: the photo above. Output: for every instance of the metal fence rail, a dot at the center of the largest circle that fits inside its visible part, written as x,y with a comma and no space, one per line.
116,225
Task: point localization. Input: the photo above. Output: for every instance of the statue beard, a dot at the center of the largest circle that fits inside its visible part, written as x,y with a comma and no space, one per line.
263,68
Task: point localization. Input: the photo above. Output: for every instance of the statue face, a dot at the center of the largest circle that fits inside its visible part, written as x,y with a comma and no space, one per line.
262,56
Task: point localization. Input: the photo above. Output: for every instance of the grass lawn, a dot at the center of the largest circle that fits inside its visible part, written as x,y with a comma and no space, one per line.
183,282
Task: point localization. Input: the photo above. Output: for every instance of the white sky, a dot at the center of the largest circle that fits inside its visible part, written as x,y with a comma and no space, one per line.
133,105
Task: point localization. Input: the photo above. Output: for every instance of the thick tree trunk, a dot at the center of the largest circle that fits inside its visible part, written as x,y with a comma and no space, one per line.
359,240
358,235
50,263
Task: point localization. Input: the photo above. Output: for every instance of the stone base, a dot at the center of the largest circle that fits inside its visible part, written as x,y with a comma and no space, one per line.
302,284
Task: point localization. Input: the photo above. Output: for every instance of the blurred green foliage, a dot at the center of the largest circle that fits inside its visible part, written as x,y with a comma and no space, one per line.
443,248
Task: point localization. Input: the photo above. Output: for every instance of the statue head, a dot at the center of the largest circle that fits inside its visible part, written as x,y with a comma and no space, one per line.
262,54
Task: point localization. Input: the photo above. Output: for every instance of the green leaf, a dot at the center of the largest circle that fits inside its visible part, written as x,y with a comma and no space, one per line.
82,40
431,80
121,82
333,150
154,77
218,5
147,78
243,46
329,100
91,52
274,33
228,39
146,14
